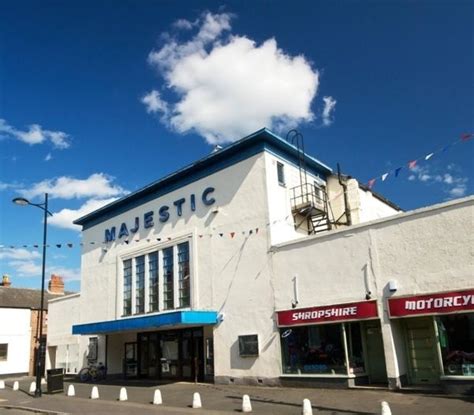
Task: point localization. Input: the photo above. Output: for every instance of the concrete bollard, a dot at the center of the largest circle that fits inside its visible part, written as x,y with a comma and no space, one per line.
95,392
157,400
2,384
197,401
32,387
71,391
385,409
307,409
123,394
246,405
16,385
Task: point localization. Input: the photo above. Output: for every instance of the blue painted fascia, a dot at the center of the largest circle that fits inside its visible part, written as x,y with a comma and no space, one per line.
177,318
262,140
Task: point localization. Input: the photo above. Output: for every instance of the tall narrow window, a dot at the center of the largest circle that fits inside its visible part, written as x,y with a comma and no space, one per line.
153,280
140,284
281,173
184,276
3,352
127,287
168,302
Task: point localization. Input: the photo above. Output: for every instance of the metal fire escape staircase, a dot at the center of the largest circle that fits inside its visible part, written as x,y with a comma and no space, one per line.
309,202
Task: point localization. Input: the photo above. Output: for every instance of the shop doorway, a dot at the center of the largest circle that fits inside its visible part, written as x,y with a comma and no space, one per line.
172,355
376,368
420,343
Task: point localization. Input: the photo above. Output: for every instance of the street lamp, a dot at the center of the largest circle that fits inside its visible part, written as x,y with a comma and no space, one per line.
40,351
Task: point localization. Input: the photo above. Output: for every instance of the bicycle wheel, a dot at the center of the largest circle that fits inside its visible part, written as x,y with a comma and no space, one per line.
84,374
93,373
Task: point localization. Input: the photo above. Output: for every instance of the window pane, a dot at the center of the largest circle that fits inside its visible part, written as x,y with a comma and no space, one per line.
313,349
354,345
183,276
456,338
168,302
140,284
281,173
153,280
3,351
127,287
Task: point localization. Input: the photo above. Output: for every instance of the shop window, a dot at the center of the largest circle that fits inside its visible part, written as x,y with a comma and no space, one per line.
168,275
3,352
183,275
140,284
456,338
354,348
92,349
281,173
313,350
153,281
248,345
127,287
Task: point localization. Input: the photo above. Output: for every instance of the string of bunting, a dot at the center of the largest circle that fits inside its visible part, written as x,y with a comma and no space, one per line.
413,163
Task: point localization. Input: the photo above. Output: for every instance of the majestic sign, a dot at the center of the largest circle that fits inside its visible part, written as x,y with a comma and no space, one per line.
163,215
340,312
431,304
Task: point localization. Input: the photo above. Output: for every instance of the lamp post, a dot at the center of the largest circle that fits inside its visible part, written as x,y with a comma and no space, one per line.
40,351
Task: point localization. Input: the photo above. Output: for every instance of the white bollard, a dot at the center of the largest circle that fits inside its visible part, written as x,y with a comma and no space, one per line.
246,405
32,387
71,391
385,409
95,393
123,394
43,381
307,409
16,386
157,400
197,401
2,384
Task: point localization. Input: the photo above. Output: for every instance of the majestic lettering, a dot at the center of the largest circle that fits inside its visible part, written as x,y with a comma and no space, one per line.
443,302
163,215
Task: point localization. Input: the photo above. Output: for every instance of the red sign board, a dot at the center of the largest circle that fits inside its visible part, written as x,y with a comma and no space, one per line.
431,304
340,312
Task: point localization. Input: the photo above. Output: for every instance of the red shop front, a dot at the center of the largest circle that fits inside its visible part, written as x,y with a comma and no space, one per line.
337,344
438,332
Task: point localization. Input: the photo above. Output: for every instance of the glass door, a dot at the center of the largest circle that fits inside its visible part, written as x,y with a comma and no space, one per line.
169,345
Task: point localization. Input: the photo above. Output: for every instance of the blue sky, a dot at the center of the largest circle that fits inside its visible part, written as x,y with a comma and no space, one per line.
99,98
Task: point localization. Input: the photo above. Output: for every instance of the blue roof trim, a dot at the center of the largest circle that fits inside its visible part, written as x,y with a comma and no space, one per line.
262,140
178,318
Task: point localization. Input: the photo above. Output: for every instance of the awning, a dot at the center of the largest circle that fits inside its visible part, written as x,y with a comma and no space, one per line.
176,318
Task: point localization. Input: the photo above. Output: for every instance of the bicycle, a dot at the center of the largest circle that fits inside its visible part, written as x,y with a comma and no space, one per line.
93,372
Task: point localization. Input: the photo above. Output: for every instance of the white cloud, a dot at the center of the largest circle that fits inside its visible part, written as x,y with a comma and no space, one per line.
25,268
65,217
229,86
35,134
18,254
328,110
183,24
48,157
154,103
453,185
68,274
97,185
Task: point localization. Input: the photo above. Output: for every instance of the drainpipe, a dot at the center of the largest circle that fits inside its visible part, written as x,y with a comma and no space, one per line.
347,209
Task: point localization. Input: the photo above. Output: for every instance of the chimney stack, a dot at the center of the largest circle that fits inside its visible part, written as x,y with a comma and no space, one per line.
5,281
56,284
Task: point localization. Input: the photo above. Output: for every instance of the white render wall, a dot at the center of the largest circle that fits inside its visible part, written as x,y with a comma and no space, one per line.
426,251
15,330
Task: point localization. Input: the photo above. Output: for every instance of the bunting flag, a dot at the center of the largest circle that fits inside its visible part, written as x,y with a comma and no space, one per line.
232,234
464,137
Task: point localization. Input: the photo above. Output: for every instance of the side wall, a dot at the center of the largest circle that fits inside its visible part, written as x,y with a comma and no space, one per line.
15,330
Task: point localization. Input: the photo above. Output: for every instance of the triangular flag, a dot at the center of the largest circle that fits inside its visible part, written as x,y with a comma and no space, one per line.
428,156
466,136
69,245
371,183
232,234
221,235
169,238
200,236
250,232
158,239
397,171
384,176
25,246
58,245
445,148
126,241
256,230
35,246
412,164
148,240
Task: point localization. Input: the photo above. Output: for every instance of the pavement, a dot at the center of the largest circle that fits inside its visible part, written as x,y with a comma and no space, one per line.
225,399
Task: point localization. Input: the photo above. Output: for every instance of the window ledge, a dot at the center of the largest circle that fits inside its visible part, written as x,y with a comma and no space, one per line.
457,377
322,375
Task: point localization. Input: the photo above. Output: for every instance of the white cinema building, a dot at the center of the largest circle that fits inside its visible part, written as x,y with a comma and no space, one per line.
257,264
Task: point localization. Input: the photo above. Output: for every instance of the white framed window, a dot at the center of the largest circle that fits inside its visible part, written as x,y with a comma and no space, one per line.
3,352
281,173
